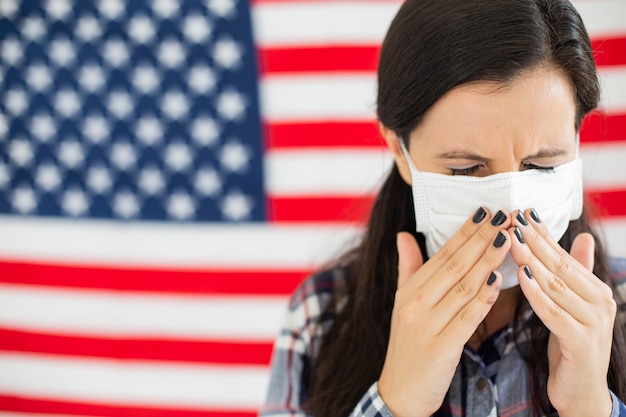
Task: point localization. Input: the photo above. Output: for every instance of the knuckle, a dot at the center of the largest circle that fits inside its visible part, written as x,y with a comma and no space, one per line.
463,288
485,234
466,315
443,253
556,284
453,265
562,261
554,310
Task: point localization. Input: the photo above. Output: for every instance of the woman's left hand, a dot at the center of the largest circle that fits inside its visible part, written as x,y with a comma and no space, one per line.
577,308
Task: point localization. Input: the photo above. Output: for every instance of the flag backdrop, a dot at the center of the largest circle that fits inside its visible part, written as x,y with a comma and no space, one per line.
169,172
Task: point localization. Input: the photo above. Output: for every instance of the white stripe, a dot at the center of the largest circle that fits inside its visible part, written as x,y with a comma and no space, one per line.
613,232
305,23
603,18
179,245
352,96
355,172
324,172
365,23
335,96
604,165
114,314
111,382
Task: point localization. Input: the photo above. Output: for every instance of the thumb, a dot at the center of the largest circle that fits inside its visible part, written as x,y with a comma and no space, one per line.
583,250
410,257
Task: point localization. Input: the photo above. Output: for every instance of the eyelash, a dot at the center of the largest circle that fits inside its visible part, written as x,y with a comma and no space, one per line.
472,170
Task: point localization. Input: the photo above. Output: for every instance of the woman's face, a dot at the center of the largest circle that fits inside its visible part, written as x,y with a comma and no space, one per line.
485,128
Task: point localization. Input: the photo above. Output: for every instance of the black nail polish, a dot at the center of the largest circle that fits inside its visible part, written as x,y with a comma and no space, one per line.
479,215
519,236
498,219
522,219
535,216
500,239
527,272
491,279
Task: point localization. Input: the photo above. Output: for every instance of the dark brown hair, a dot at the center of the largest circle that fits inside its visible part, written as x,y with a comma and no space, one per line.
431,47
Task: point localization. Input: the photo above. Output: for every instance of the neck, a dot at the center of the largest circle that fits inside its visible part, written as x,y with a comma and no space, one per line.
500,315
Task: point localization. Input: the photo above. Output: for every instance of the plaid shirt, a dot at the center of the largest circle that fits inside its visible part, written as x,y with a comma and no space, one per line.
487,383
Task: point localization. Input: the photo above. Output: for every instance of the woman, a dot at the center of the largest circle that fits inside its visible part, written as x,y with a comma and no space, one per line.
459,301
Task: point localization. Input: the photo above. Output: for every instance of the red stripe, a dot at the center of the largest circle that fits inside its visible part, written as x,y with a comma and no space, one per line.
608,203
609,51
311,209
23,404
319,59
600,127
222,352
214,281
597,127
356,209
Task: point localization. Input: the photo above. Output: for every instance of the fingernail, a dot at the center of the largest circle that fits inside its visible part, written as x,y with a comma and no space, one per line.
519,236
499,241
527,272
491,279
479,215
535,215
522,219
499,218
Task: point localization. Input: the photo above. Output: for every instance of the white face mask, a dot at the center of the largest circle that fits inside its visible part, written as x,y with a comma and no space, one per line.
443,203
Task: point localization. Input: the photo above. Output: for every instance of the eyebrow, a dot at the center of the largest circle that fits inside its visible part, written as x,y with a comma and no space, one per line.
544,153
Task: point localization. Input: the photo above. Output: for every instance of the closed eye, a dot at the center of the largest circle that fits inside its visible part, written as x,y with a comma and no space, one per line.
539,168
465,171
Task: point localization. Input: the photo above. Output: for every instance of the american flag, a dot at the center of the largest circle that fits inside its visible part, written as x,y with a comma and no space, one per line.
170,170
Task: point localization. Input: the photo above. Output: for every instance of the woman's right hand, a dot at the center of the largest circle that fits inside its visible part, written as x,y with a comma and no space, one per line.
438,307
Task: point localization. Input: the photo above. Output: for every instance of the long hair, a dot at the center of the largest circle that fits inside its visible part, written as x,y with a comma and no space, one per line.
431,47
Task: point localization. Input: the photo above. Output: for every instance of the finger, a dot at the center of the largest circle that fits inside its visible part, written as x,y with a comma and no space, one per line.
553,256
583,250
410,257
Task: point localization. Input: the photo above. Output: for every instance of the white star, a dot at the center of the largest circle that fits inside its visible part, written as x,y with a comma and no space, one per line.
58,9
8,8
165,8
16,101
125,204
227,53
197,28
234,157
222,8
151,181
149,130
38,77
74,202
71,153
91,77
201,79
231,105
88,28
42,127
141,29
120,104
24,199
99,179
205,131
11,51
67,103
4,175
48,177
236,206
123,155
111,9
95,128
145,79
33,28
115,53
180,206
21,152
178,156
207,182
62,52
171,53
175,105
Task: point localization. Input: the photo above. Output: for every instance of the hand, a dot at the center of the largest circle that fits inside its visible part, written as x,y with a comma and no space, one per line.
438,306
577,308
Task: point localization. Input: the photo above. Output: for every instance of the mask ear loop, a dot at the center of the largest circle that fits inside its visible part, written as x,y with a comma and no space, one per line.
418,188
